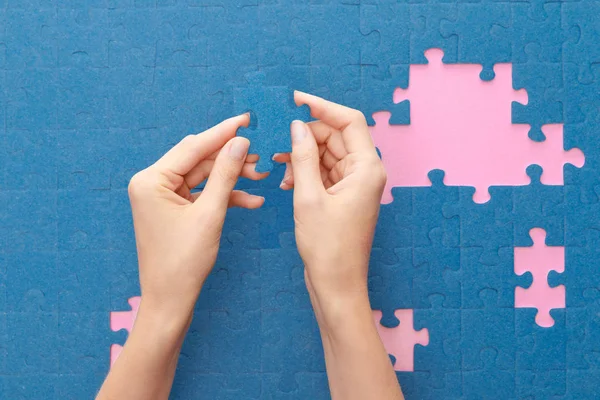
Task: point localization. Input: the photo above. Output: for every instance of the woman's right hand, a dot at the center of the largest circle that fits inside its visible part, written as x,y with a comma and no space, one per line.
338,180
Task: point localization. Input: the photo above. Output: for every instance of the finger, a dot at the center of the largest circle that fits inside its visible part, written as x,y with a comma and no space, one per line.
240,199
224,175
288,178
305,160
195,148
282,157
332,138
201,171
349,121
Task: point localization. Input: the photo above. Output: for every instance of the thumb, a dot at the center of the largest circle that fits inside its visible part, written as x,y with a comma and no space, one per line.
305,160
224,175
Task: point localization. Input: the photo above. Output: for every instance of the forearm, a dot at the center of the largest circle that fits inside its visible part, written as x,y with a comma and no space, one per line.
358,367
146,367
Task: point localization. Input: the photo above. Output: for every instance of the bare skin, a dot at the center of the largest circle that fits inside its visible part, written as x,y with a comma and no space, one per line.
337,179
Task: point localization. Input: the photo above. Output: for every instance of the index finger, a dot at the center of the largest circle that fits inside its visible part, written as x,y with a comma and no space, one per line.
186,154
349,121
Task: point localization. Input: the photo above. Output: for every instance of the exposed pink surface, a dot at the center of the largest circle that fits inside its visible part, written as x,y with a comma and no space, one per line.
462,125
123,320
400,341
540,259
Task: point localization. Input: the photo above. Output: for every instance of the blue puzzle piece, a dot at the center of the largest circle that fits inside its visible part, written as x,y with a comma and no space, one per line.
442,263
84,38
36,292
28,221
533,205
580,383
583,327
376,93
195,354
286,288
182,40
84,340
485,42
539,22
442,355
390,284
133,37
425,31
543,82
577,275
28,386
480,272
29,159
272,111
30,99
285,36
489,327
394,228
32,34
540,349
582,27
26,340
235,285
490,379
83,220
332,82
290,344
311,385
429,204
483,224
78,386
334,34
386,32
545,384
84,281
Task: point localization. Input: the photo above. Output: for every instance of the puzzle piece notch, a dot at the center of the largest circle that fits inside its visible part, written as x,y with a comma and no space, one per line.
123,320
454,112
540,259
401,340
272,110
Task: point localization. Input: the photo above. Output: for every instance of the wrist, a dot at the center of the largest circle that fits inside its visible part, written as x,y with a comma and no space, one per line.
164,325
337,313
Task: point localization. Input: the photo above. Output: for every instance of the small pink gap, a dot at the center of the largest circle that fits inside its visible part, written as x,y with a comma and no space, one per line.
540,259
401,340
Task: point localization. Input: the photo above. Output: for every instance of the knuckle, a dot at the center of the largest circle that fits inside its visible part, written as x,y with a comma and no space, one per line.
138,184
188,139
358,116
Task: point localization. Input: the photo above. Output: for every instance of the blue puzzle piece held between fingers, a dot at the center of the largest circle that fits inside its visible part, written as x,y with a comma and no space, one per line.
272,110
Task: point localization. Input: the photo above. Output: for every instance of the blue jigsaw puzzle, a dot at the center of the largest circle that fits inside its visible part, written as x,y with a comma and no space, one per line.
92,91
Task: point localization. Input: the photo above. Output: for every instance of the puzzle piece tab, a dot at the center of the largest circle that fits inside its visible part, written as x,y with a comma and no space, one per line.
540,259
401,340
272,111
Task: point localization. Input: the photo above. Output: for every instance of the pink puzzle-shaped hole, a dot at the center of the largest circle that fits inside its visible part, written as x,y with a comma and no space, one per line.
540,259
462,125
401,340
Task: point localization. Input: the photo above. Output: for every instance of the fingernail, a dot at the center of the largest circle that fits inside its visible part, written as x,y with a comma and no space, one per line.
238,149
298,131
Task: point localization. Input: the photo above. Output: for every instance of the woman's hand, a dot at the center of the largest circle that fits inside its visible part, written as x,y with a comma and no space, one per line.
178,232
338,180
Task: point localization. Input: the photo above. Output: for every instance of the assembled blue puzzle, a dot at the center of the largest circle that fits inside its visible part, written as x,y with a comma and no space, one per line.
479,291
